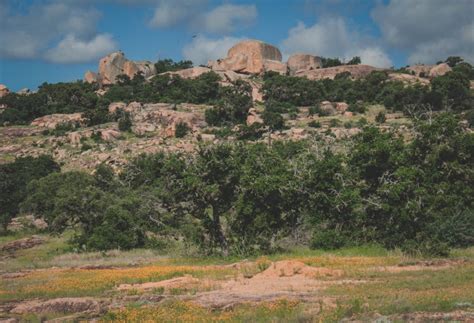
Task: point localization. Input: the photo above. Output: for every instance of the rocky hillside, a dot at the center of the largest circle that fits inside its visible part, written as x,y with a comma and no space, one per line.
309,109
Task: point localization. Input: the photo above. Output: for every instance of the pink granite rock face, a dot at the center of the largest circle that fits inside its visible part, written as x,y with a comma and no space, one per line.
249,57
303,62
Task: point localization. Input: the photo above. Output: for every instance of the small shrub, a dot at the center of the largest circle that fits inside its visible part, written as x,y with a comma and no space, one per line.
334,123
362,122
314,124
62,128
222,132
357,107
348,125
380,117
273,120
97,136
124,122
252,132
85,147
182,130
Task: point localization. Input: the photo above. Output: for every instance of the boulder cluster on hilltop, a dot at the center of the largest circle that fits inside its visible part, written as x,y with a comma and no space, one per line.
254,57
116,64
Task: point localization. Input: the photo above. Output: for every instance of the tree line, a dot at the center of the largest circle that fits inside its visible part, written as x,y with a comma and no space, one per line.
246,198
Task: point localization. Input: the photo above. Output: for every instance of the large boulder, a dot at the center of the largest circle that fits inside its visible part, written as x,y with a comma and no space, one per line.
91,77
420,70
303,62
356,71
440,70
111,66
116,64
146,68
408,79
3,90
249,57
190,73
253,117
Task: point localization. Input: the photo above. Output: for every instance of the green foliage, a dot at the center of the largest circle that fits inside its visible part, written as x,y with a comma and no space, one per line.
168,65
469,116
61,129
118,230
449,90
452,61
253,132
314,124
357,107
14,178
454,89
330,62
380,117
328,239
125,122
274,121
233,105
243,198
182,130
334,123
50,98
354,61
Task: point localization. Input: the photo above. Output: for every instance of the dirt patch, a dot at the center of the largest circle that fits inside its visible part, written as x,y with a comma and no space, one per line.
440,264
61,305
14,275
96,267
283,279
290,268
179,282
24,243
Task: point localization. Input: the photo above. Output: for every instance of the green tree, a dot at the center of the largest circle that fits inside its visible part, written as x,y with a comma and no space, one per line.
14,178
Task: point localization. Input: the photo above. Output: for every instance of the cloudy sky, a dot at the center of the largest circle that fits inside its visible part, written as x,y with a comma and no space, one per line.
58,40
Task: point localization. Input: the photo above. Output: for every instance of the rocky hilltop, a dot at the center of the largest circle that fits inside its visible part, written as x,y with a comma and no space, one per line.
154,121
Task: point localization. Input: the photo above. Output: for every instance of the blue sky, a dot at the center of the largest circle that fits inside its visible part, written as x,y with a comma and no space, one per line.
58,40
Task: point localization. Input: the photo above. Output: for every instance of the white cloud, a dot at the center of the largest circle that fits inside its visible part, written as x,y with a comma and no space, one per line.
194,14
226,18
202,49
374,56
35,31
429,30
172,13
331,37
74,50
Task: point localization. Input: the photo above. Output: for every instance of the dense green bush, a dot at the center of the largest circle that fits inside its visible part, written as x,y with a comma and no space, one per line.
168,65
125,122
182,130
380,117
14,178
232,106
450,91
50,98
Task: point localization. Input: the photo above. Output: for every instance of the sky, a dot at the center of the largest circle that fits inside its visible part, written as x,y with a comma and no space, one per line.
59,40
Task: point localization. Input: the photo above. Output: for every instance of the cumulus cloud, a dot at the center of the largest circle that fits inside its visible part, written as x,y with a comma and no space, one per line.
226,18
331,37
74,50
34,33
202,48
429,30
172,13
193,14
